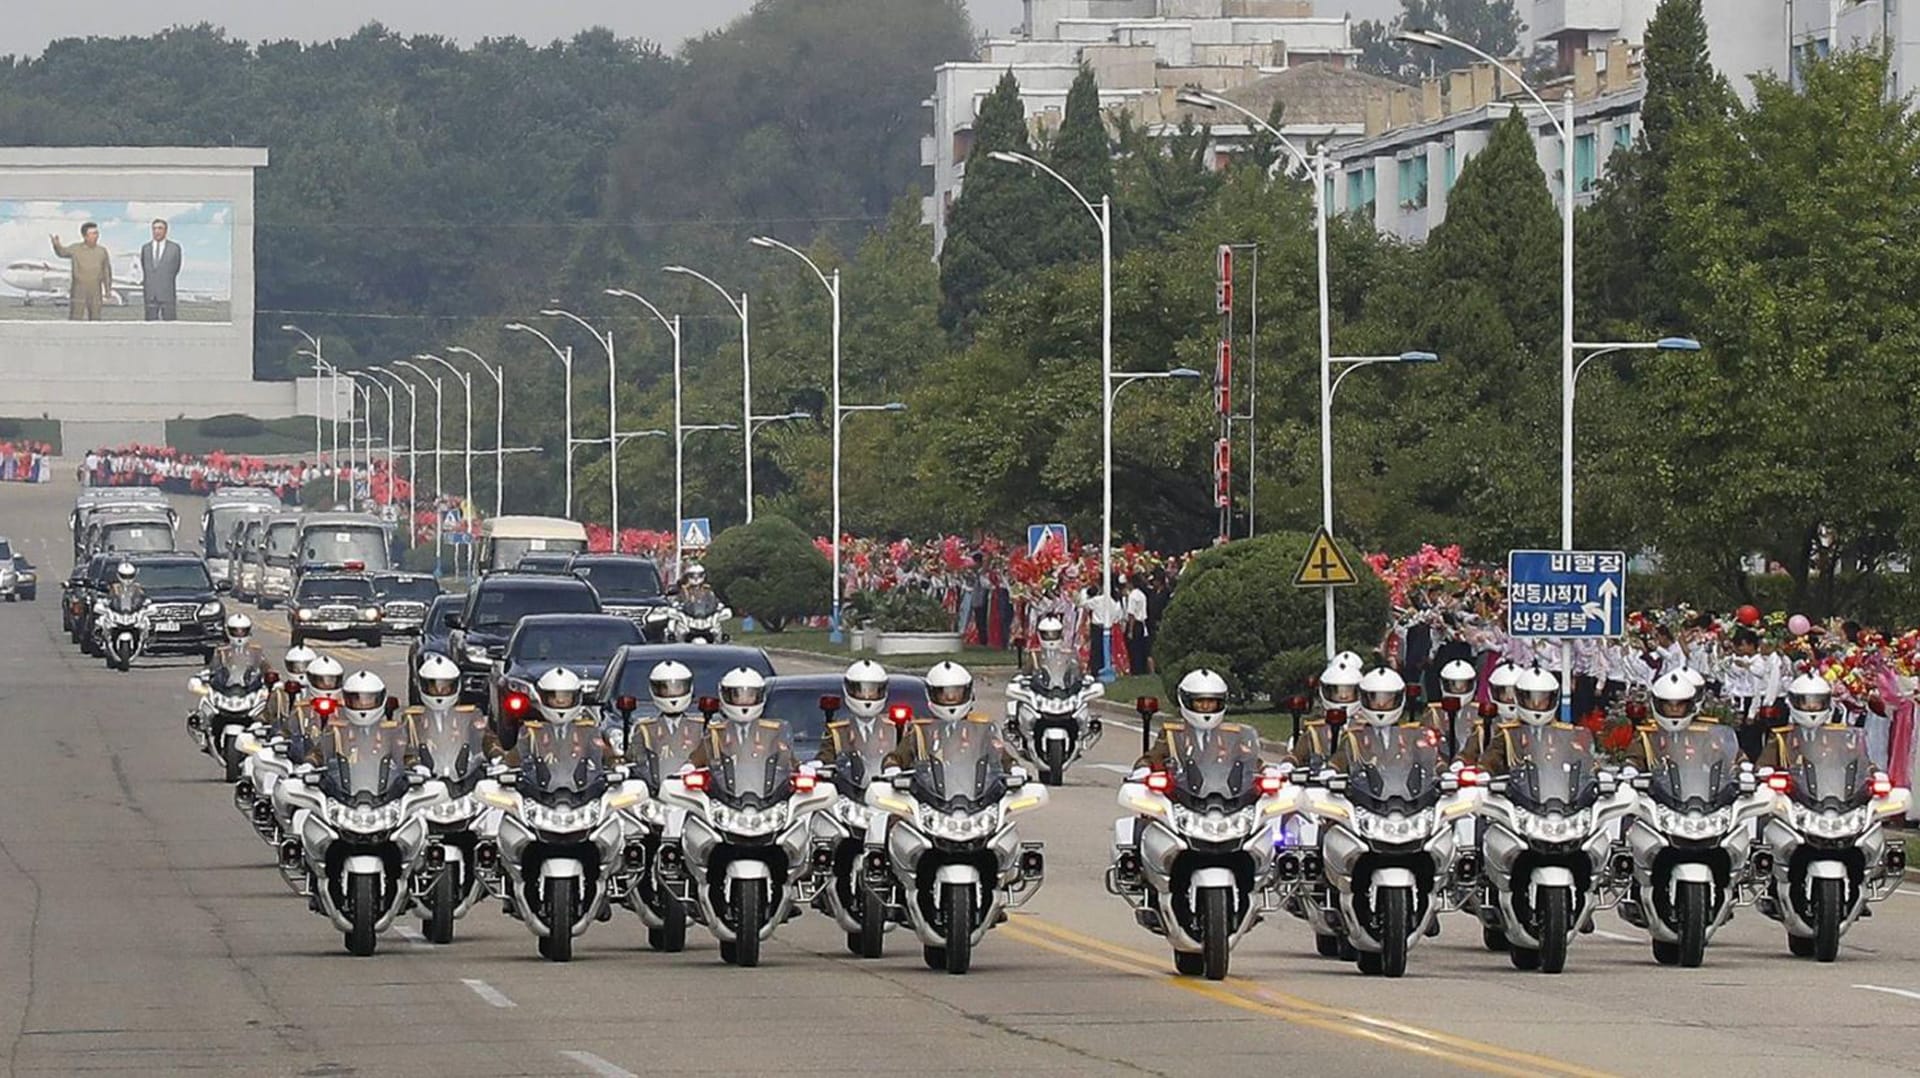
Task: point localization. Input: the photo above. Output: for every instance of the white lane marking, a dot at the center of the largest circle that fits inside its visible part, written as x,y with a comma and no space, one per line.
487,992
1908,892
1901,992
1115,768
1606,935
410,934
597,1065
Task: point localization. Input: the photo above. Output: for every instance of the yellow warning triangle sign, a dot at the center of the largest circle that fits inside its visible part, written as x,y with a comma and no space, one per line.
1325,566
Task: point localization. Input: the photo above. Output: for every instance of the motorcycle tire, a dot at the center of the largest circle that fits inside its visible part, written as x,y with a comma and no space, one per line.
1494,939
231,757
959,906
1799,946
1053,765
1554,915
934,957
1524,958
1216,931
1692,913
671,936
749,908
1667,954
1189,963
1368,962
363,892
729,953
437,925
871,940
1396,911
1326,946
1829,896
563,908
372,641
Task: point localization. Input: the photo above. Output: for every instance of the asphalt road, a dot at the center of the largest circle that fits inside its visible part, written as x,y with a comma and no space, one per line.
143,930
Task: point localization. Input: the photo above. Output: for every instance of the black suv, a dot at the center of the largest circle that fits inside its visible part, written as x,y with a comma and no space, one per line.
334,606
493,610
628,585
188,617
582,643
404,598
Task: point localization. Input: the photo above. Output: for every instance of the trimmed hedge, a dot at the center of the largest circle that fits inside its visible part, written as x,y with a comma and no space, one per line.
769,570
232,425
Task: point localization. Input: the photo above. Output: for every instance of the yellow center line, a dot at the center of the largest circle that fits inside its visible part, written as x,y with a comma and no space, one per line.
1252,995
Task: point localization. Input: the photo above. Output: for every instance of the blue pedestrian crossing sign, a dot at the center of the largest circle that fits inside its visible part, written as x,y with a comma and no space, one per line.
1046,537
1567,594
696,532
451,519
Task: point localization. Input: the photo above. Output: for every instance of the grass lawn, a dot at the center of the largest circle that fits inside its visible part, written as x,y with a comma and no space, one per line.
815,641
31,430
290,435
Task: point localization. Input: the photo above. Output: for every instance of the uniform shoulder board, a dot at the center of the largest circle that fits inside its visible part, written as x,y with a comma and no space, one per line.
1510,725
1648,727
416,709
1787,729
769,724
466,707
1707,719
837,724
1173,725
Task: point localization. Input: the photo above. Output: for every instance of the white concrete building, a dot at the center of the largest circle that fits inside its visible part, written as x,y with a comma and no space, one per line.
1141,52
1745,37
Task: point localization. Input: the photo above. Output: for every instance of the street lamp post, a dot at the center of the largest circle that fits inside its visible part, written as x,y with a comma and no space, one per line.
439,522
613,427
746,373
313,343
679,491
754,423
466,385
832,285
565,356
679,456
499,421
413,445
1102,217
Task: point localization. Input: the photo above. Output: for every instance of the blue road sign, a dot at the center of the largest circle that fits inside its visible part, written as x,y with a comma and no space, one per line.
1044,536
696,532
459,538
1567,594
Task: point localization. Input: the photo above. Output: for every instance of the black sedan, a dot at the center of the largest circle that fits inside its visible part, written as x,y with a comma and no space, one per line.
582,643
627,674
795,700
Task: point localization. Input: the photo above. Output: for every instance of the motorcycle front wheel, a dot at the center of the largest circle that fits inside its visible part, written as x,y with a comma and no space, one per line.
1692,914
748,915
872,937
231,757
1828,897
1554,915
1216,943
1396,910
959,906
671,936
1054,767
437,925
563,908
363,891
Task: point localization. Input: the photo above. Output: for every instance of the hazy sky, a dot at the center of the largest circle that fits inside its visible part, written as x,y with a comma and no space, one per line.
28,25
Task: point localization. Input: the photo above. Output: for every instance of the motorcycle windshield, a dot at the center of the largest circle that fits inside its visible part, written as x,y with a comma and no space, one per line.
452,745
562,764
701,606
1057,675
126,602
753,766
1696,770
236,677
1392,769
1830,769
960,770
864,748
365,766
1216,769
1553,770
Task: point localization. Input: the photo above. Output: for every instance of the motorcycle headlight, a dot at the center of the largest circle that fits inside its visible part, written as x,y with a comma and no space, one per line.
1394,828
1553,828
544,818
210,610
749,822
1214,826
1829,824
363,820
959,826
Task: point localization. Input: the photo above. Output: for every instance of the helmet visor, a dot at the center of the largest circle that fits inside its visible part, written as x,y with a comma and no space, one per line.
1340,693
742,695
1052,634
326,682
1208,704
1384,700
669,688
296,668
1539,700
867,691
1503,694
559,699
1674,708
439,686
1457,686
363,701
949,695
1810,701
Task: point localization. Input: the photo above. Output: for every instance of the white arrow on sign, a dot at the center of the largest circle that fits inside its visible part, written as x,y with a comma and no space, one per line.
1603,611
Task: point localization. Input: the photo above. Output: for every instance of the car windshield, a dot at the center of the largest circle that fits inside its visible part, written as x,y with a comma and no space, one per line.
6,549
136,536
338,544
419,589
20,562
438,614
620,579
502,608
173,576
220,525
573,643
281,541
343,587
508,552
708,666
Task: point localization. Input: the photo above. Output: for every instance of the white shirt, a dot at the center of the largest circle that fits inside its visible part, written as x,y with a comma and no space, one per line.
1103,609
158,246
1137,605
1737,681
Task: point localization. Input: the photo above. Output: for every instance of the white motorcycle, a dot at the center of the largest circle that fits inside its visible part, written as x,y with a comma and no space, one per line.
746,836
452,747
1386,845
232,698
358,828
563,837
953,845
1687,853
1048,720
1547,833
861,895
661,893
120,633
1824,855
1200,871
697,621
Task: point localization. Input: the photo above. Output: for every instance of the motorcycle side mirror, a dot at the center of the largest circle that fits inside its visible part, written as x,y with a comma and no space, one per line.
709,706
291,688
1489,709
829,705
1146,705
621,773
626,705
1643,782
1337,784
311,778
271,678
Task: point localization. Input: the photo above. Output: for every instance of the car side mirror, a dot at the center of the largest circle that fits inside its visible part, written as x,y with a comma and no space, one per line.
455,621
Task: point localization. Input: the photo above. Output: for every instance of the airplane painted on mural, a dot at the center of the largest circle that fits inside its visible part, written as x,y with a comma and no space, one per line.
46,280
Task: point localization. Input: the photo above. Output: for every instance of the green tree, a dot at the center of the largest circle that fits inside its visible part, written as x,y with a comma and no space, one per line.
1082,152
1493,25
770,570
990,233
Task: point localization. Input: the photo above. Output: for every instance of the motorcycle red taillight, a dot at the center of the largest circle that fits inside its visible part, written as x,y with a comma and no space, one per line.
697,781
900,714
1780,782
1159,782
1882,786
515,704
1271,784
803,782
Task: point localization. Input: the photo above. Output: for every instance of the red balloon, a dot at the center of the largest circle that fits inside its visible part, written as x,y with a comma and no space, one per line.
1748,615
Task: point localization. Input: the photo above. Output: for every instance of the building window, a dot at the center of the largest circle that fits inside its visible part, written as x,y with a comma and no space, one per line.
1413,182
1450,171
1623,134
1584,177
1360,187
962,143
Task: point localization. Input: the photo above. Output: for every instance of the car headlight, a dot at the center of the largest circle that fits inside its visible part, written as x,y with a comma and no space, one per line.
478,654
304,614
370,613
210,610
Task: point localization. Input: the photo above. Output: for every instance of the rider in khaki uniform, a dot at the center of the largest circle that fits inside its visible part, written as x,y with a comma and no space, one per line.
863,691
1809,709
1537,705
1338,692
1676,708
1203,710
950,699
743,700
1383,703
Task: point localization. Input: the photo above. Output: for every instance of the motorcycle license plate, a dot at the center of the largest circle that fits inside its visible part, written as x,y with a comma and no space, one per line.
166,626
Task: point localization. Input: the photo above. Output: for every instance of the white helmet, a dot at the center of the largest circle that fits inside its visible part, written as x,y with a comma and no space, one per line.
1500,687
1457,679
560,695
1676,700
671,685
864,689
239,628
1536,697
439,681
1203,699
1698,679
1340,683
1052,632
1383,698
949,691
126,571
363,698
1809,701
743,695
324,675
696,574
299,658
1351,658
